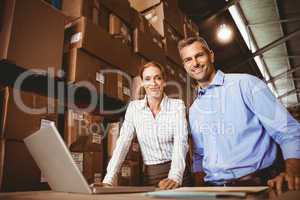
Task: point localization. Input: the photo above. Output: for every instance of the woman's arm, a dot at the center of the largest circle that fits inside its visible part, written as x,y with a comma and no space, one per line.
122,146
180,147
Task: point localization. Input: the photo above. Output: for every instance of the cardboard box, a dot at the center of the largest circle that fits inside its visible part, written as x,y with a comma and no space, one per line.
112,136
137,90
4,95
130,174
78,8
119,30
140,6
6,16
148,43
190,28
28,120
84,137
165,11
90,9
99,43
83,131
171,40
90,164
19,170
120,80
120,8
178,85
84,69
134,153
27,40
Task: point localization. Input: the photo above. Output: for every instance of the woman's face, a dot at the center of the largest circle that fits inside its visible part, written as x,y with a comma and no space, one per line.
153,82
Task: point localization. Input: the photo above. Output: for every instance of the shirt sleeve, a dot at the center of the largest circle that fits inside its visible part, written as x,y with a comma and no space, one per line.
122,146
180,147
278,122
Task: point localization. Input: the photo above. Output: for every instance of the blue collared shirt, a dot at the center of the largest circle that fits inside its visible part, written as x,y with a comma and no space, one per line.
235,123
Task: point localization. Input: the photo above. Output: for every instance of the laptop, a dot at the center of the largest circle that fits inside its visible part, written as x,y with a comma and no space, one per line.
57,165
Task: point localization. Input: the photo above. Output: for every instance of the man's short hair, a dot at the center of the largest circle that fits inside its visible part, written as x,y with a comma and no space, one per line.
190,40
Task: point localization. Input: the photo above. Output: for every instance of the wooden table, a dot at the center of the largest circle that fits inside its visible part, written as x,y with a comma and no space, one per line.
49,195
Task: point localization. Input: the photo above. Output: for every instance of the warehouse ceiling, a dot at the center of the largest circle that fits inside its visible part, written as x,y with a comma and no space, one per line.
272,35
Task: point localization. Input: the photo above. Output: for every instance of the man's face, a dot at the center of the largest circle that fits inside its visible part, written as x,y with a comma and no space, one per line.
198,62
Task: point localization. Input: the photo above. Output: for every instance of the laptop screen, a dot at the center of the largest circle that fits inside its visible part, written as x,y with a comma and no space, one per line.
55,161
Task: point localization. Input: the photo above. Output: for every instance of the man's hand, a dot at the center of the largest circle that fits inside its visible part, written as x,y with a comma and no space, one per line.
168,184
199,178
291,177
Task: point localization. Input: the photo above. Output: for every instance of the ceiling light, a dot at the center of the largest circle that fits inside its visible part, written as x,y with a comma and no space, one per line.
224,33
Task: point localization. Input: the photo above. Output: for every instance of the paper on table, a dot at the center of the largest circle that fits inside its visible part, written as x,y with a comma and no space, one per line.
254,189
193,195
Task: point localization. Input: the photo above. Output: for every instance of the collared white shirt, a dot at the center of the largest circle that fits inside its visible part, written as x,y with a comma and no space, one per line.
161,139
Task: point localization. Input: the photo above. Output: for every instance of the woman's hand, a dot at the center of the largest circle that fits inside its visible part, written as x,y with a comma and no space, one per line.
167,184
100,185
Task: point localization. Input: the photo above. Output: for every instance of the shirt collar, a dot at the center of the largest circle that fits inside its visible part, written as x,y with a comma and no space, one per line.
163,103
217,81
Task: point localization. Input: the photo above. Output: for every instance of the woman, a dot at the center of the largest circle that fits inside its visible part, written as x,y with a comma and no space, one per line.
160,126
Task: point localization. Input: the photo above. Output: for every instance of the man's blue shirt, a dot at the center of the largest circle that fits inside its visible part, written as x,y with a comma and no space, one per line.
235,123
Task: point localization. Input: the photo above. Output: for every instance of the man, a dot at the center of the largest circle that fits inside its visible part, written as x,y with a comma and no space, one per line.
235,123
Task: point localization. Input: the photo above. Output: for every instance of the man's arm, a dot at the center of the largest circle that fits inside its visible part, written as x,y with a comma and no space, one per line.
199,178
281,126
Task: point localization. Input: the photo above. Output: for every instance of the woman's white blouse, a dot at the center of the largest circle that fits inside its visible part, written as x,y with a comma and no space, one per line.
161,139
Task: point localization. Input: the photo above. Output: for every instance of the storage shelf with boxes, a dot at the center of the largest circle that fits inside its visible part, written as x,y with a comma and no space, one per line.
131,171
84,135
18,122
73,51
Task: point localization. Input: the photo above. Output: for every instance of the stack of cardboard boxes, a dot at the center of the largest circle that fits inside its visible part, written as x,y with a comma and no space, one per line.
170,23
22,116
100,45
84,136
29,42
130,173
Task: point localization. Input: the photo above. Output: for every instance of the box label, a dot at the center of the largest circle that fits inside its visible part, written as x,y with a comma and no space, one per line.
78,160
100,78
77,116
46,123
97,177
126,91
96,138
76,37
125,171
